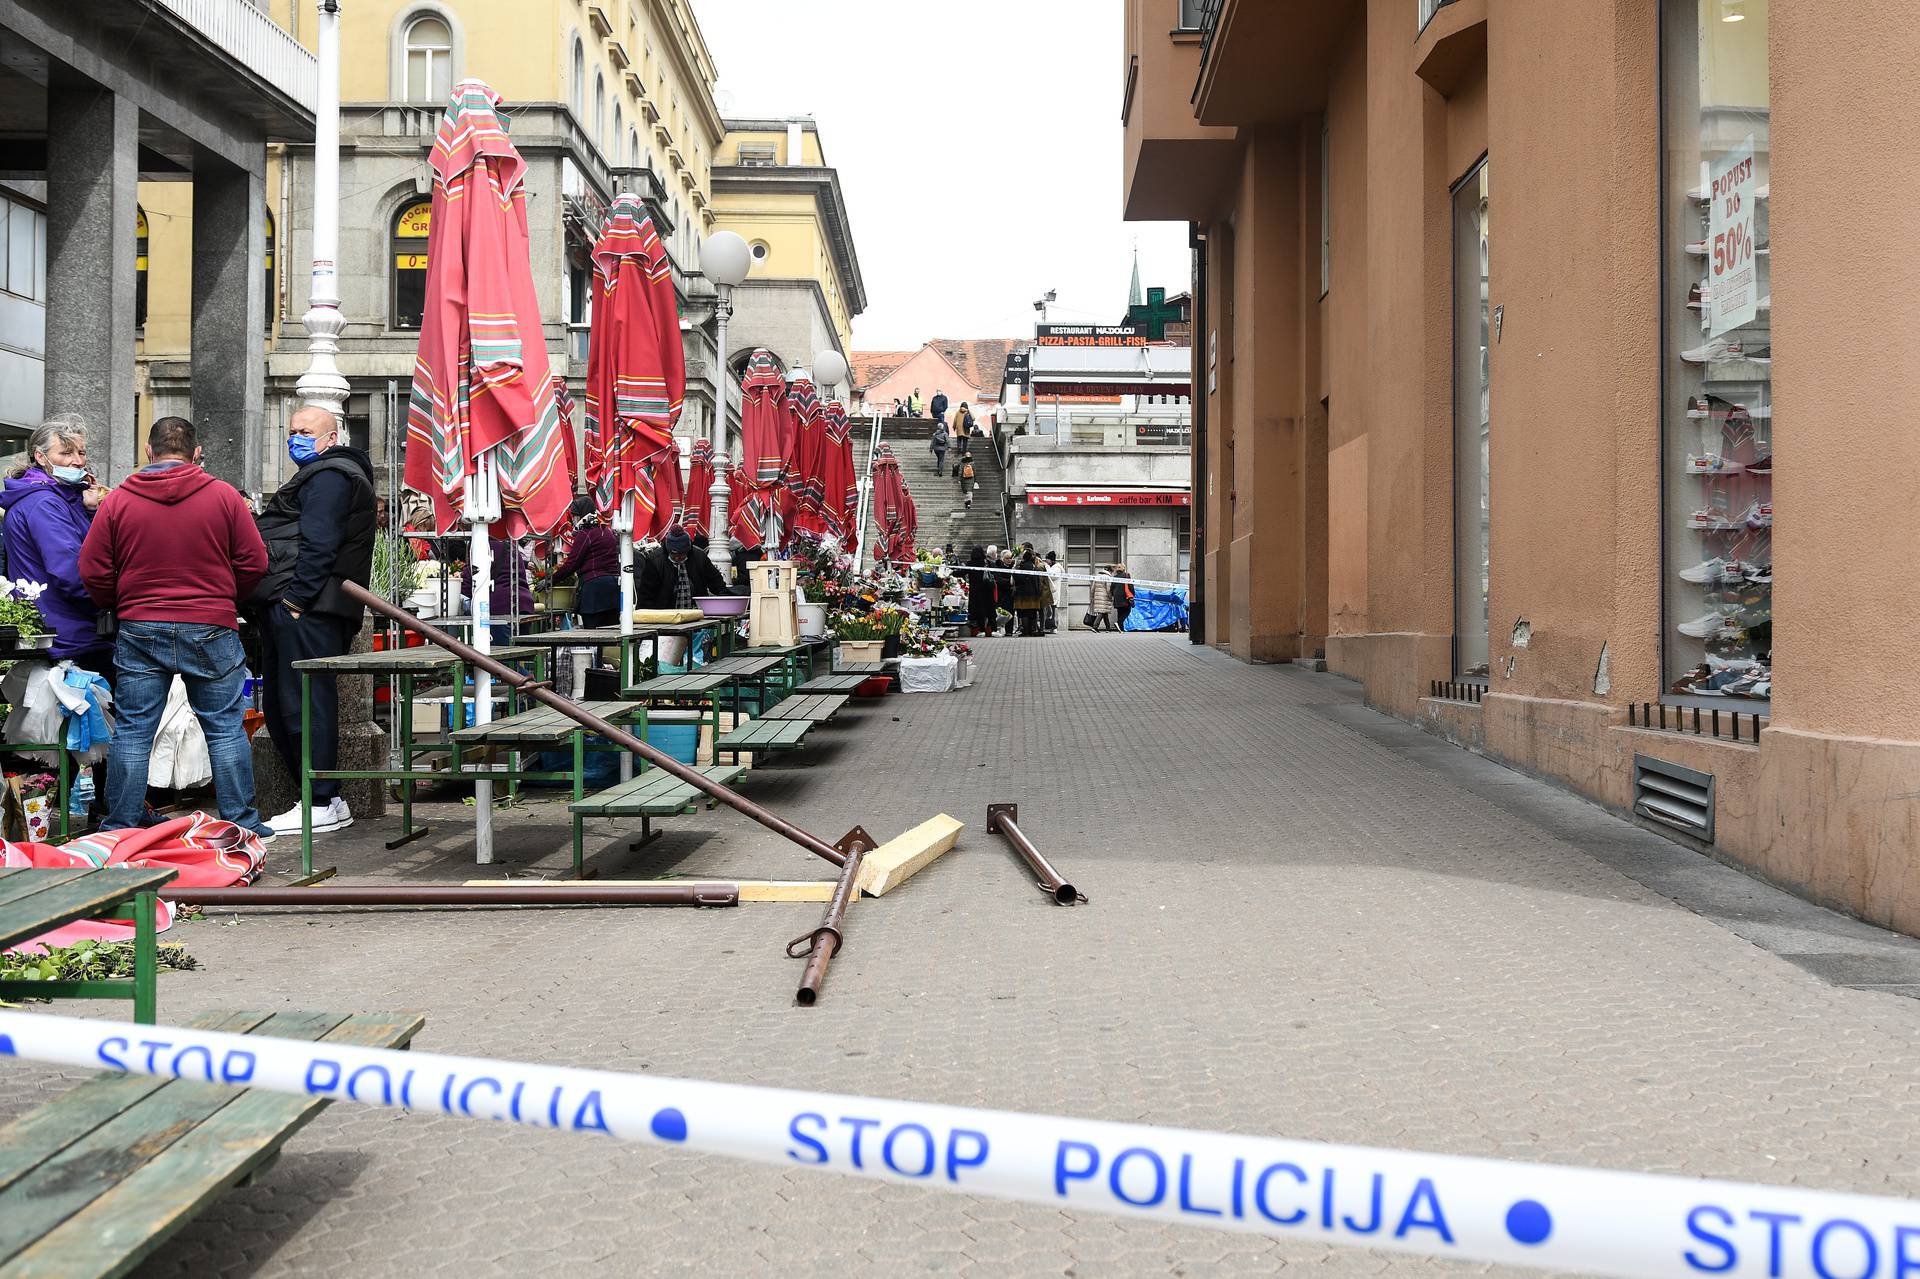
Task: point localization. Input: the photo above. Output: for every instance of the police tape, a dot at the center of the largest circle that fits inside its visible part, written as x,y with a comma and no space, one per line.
1468,1209
1108,578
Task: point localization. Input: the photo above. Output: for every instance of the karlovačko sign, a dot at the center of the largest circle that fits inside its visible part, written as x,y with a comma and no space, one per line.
1109,499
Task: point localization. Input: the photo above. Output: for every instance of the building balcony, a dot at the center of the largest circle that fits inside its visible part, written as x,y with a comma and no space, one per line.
597,18
1267,60
245,34
1175,167
650,109
636,86
618,52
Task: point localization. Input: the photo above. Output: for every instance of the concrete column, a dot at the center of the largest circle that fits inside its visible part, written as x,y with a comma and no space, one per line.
93,173
229,318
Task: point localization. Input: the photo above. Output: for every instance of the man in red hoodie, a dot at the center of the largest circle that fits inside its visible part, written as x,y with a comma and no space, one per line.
171,552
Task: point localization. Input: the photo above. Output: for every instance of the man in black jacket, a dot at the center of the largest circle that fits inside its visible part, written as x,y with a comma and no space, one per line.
319,531
938,408
671,576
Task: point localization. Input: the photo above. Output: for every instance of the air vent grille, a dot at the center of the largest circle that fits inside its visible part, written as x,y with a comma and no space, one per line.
1674,796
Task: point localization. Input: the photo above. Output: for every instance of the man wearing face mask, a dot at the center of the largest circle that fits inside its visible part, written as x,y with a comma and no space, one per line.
319,531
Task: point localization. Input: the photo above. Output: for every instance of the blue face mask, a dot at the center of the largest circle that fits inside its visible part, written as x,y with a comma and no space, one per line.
301,449
69,474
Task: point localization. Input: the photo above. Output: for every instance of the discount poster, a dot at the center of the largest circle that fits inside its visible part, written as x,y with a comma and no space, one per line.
1733,272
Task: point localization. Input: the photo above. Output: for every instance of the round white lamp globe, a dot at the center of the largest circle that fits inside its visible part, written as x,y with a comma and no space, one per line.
829,368
725,258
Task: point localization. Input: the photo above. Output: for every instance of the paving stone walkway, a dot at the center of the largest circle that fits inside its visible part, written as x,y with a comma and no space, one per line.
1306,920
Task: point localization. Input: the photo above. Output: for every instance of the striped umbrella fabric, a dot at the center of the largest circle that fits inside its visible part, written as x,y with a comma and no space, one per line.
839,482
764,432
806,459
696,498
893,512
483,388
746,512
636,374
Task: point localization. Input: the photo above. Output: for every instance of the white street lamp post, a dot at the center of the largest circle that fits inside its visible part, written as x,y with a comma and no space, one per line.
725,261
322,385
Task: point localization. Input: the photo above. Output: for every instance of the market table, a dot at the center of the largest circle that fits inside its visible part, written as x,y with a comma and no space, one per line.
597,637
36,901
402,667
546,728
794,656
760,671
698,688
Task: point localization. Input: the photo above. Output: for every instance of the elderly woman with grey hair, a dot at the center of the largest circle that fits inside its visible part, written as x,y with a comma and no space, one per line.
49,504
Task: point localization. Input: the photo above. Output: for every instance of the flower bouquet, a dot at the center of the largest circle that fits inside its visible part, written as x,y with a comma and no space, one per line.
862,635
921,642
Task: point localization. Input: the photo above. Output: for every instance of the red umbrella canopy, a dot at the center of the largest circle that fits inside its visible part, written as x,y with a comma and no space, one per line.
696,499
806,456
482,384
636,375
764,430
839,485
746,511
893,511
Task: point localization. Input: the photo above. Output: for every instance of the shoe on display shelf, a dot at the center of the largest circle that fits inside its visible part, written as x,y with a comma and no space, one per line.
1761,465
1703,626
1698,248
1762,354
1697,407
1717,351
1712,520
1758,574
1758,515
1711,464
1698,296
1710,571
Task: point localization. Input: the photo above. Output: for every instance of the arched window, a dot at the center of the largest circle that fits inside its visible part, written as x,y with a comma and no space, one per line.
139,267
410,264
599,121
428,50
633,148
577,83
613,139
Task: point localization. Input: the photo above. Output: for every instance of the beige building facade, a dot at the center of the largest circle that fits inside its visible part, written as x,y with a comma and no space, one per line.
1504,313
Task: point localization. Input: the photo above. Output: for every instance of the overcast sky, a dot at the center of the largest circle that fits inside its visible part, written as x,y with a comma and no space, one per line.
978,145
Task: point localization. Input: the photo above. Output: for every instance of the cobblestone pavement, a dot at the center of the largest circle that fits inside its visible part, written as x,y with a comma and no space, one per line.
1302,923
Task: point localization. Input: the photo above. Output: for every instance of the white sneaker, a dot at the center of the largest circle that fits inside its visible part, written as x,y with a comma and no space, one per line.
334,816
1705,571
1718,351
1704,625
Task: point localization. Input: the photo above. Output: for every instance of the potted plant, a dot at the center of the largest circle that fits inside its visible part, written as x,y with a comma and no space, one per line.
21,623
817,591
861,636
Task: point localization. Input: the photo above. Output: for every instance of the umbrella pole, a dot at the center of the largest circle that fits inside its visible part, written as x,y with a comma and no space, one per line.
623,523
480,555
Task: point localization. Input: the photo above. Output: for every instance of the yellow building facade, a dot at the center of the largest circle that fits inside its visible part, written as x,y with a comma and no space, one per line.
773,187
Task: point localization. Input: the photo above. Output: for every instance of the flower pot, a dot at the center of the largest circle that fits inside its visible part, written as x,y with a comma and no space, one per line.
852,651
813,621
890,647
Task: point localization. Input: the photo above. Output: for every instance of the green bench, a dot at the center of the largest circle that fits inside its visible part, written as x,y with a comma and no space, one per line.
833,683
36,901
96,1180
764,735
654,793
816,709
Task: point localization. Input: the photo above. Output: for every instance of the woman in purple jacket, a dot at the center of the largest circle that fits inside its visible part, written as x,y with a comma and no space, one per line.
595,560
49,507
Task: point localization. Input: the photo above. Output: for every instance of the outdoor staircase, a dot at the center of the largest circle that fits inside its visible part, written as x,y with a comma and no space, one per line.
936,499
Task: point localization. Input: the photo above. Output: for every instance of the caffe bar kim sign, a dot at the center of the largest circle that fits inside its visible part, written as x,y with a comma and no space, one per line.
1137,498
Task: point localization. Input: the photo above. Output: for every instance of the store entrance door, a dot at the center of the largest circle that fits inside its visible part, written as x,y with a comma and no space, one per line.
1089,547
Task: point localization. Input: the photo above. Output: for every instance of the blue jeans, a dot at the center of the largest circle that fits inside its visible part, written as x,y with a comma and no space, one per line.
147,656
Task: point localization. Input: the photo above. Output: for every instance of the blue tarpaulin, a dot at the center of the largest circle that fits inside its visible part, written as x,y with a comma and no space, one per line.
1158,610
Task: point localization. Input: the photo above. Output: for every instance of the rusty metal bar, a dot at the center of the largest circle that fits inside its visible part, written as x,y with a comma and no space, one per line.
688,894
619,736
1004,819
820,946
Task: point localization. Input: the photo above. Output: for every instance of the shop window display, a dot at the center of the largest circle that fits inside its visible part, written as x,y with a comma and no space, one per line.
1717,480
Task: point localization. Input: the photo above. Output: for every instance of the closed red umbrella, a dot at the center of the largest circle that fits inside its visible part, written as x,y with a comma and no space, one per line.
839,483
764,432
746,512
893,511
697,497
636,375
485,404
806,460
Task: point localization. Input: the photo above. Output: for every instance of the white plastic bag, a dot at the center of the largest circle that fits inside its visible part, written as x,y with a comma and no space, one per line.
928,674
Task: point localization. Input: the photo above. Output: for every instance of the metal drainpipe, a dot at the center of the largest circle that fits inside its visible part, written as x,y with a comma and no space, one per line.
1197,393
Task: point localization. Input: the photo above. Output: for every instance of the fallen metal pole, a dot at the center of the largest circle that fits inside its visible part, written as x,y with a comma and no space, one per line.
688,894
824,942
619,736
1005,820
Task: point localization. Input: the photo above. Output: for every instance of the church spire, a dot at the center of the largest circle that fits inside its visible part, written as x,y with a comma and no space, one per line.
1134,296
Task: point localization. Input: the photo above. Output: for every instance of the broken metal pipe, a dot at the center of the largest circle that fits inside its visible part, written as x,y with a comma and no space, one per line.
1005,820
819,946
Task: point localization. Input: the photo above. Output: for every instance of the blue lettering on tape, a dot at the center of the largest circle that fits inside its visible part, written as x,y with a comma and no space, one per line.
1116,1176
1529,1222
323,1076
1186,1189
1789,1243
1062,1174
237,1066
380,1074
816,1149
6,1046
1869,1251
1293,1218
206,1062
921,1151
117,1045
589,1116
972,1158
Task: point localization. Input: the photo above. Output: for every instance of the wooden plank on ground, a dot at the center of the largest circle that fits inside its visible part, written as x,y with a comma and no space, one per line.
751,890
904,856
